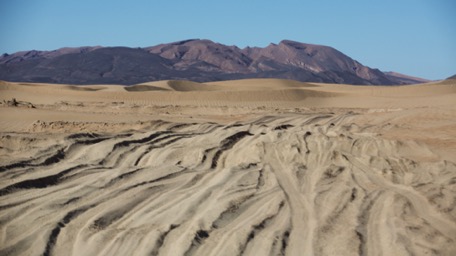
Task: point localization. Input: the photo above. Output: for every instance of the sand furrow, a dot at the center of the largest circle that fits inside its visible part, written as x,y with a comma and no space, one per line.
308,184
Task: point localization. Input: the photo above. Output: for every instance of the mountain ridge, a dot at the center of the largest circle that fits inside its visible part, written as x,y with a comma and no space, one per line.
199,60
452,77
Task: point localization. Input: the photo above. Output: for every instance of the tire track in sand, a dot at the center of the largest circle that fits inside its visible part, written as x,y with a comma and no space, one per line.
289,184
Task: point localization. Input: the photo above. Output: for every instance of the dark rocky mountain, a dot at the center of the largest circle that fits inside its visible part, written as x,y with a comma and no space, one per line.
196,60
452,77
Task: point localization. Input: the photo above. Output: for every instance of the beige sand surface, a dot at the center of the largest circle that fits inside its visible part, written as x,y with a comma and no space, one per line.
249,167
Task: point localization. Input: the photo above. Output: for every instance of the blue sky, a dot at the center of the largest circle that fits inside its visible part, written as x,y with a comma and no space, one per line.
415,37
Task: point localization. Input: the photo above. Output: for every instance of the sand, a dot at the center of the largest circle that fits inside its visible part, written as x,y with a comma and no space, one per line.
248,167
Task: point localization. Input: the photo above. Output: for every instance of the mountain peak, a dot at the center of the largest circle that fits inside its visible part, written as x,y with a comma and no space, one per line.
291,43
193,41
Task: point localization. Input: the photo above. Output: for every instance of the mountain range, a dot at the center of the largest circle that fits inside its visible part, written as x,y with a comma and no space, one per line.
197,60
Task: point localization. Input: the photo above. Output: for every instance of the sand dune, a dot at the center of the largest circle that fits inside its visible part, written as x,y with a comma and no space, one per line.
228,168
171,85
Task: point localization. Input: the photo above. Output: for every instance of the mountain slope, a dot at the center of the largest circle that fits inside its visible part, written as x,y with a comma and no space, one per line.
197,60
103,65
204,55
405,79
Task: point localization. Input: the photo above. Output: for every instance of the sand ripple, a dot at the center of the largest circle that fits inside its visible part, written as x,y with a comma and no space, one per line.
280,185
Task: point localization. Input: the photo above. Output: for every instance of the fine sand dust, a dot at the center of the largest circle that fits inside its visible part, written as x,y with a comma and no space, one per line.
249,167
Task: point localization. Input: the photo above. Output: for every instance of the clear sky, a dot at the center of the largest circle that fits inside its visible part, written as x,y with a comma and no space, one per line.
415,37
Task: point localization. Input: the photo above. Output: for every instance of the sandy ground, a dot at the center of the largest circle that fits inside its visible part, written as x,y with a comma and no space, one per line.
249,167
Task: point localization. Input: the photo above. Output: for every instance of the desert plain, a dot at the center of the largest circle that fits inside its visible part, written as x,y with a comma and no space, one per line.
245,167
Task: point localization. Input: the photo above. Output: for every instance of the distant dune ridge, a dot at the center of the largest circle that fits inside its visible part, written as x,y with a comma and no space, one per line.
240,167
196,60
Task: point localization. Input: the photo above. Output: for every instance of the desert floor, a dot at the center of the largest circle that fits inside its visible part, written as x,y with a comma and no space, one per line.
249,167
